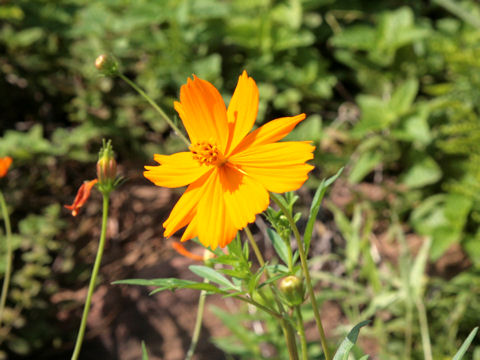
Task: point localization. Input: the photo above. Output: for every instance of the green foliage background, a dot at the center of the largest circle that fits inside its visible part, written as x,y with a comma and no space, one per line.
391,90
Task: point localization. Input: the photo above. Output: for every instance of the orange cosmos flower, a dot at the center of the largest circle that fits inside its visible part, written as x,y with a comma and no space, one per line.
83,194
229,170
5,163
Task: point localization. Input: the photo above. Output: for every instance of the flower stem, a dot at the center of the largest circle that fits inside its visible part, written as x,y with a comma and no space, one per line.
93,279
301,332
286,327
255,248
306,273
9,256
156,107
198,324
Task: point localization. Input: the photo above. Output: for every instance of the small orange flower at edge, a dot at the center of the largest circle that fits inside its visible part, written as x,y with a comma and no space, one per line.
5,163
83,194
228,170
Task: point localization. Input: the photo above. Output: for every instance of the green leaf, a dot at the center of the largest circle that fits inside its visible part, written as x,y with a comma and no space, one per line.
443,217
349,341
212,275
315,207
279,245
418,269
403,96
170,284
463,349
144,351
364,165
425,171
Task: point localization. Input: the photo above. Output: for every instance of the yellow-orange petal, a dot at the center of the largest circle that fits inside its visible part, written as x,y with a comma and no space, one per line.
82,196
5,163
214,227
179,248
244,197
279,167
203,112
175,170
242,110
270,132
185,209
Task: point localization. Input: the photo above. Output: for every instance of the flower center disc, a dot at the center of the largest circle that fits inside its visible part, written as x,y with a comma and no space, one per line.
206,153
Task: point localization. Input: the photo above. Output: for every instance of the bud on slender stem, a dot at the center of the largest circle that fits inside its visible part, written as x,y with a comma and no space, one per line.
292,288
107,64
106,168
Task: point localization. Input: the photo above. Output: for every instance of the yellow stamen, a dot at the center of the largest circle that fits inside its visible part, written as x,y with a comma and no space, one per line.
206,152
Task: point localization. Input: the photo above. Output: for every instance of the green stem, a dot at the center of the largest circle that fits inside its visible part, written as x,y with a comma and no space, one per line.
286,327
301,332
255,248
422,318
198,324
93,279
9,256
156,107
260,306
306,273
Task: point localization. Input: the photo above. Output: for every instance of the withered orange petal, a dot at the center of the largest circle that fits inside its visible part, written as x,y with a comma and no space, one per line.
178,247
5,163
82,196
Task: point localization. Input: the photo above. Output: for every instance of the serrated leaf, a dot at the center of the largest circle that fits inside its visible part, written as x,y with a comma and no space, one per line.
315,208
463,349
212,275
349,341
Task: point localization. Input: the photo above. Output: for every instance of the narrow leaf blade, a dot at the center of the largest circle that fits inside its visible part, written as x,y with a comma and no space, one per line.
315,208
212,275
144,351
463,349
349,341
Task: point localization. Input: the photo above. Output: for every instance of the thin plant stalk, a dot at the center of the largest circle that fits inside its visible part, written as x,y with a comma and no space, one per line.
93,279
9,256
301,332
198,324
286,327
422,318
156,107
306,273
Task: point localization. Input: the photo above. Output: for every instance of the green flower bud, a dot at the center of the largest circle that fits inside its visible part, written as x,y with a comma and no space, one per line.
106,168
292,288
107,64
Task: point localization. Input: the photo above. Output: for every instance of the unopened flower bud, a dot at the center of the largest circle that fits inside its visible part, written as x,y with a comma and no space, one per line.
106,168
292,288
107,64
